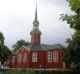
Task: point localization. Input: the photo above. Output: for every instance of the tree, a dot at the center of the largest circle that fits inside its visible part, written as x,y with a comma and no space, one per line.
72,53
1,39
73,20
18,44
5,54
1,45
4,50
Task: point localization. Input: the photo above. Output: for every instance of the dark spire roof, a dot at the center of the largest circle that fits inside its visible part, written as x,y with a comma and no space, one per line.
36,17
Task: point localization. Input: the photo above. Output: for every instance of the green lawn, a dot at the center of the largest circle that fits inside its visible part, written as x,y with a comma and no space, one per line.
25,71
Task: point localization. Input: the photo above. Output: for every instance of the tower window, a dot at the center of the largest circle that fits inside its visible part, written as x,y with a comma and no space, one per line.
55,56
49,56
25,57
34,57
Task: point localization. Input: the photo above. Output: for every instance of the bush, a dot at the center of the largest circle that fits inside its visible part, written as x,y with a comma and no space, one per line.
19,71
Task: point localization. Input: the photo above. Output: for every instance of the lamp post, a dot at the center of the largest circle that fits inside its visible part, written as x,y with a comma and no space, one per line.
40,68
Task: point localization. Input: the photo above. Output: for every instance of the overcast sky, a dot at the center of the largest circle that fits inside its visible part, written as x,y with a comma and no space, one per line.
16,18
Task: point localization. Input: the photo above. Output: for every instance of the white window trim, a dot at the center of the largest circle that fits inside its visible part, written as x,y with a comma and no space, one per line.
55,56
25,57
19,58
49,56
34,57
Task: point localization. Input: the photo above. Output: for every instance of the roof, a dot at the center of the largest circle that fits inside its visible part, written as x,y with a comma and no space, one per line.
43,47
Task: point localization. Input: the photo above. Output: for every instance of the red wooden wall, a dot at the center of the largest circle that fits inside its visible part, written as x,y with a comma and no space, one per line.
42,60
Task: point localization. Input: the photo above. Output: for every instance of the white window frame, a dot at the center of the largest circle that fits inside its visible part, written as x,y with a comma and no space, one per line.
19,58
25,57
34,57
13,59
49,56
55,56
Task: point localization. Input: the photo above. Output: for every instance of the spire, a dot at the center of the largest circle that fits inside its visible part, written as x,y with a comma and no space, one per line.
35,33
36,22
36,18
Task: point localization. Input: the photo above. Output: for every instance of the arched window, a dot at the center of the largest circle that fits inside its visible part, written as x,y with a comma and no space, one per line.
55,56
34,57
19,58
13,59
25,57
49,56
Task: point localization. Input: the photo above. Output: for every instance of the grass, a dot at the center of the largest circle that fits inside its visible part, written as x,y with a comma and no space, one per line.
17,71
26,71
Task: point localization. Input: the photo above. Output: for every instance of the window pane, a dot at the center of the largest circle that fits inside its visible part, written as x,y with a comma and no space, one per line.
55,56
49,56
34,57
25,57
19,58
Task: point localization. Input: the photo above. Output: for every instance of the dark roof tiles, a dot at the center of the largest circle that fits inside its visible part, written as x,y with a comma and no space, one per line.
42,47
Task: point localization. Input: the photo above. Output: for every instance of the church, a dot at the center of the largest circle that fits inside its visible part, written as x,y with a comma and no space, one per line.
36,55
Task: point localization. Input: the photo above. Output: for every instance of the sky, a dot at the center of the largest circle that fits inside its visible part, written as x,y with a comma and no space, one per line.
17,16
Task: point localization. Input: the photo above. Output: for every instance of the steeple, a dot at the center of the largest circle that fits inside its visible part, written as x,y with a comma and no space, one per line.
35,33
36,22
36,18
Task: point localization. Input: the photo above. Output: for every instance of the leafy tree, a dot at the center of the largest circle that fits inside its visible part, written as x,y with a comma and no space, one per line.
4,50
18,44
73,20
5,54
1,39
1,44
72,53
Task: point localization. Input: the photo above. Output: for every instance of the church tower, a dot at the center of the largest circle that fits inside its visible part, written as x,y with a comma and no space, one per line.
35,33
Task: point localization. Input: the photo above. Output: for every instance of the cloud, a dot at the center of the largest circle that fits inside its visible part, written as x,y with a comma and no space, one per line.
16,17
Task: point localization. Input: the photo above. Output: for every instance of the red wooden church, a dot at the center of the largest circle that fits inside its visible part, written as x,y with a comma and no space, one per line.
37,55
